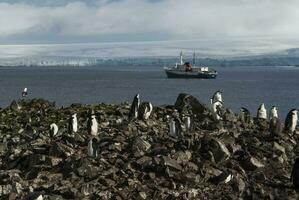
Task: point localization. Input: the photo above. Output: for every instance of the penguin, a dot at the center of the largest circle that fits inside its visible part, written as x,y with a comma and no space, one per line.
275,128
145,110
24,93
245,115
53,130
133,114
175,127
187,122
93,147
295,175
262,112
274,112
92,124
291,120
73,123
172,129
217,105
217,97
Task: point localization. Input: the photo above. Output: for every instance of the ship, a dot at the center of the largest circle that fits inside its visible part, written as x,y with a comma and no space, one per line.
188,70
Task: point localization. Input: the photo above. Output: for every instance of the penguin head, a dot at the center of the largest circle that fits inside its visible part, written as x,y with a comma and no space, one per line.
274,111
244,110
25,89
262,107
91,112
94,140
74,116
294,112
137,96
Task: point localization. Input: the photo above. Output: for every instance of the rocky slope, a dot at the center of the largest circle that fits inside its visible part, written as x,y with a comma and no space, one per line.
226,159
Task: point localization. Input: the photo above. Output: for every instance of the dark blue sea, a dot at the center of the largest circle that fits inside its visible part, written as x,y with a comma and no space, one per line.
241,86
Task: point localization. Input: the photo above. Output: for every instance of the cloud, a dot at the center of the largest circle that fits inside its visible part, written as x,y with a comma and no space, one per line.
175,19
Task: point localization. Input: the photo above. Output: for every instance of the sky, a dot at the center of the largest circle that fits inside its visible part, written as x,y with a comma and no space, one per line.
89,21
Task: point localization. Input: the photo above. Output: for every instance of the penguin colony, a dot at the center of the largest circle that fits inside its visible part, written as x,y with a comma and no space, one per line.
143,111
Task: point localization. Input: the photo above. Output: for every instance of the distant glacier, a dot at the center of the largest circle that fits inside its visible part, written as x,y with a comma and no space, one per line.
91,53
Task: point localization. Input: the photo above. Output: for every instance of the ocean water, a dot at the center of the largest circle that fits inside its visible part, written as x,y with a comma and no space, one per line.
242,86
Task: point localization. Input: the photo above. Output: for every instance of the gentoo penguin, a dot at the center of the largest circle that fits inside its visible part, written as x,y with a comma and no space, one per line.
93,147
145,110
133,114
53,130
24,93
262,112
245,115
291,120
73,123
217,105
216,97
295,175
92,124
274,112
175,127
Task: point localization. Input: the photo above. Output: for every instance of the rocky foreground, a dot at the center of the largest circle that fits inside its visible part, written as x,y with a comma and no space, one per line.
216,159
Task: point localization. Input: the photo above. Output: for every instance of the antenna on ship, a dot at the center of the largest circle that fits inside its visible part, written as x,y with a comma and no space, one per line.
181,57
194,58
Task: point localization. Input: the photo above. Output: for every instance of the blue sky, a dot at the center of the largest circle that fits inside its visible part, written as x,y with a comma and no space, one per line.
75,21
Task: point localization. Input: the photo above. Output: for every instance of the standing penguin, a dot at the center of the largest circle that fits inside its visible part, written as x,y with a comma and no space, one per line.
291,120
145,110
175,127
245,115
73,124
92,124
25,92
217,97
133,114
274,112
93,147
262,112
275,126
187,122
217,109
295,175
53,130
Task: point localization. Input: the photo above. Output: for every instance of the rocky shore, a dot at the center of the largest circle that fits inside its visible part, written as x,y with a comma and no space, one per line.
139,159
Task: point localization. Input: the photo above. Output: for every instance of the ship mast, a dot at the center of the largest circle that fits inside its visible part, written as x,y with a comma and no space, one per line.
181,58
194,58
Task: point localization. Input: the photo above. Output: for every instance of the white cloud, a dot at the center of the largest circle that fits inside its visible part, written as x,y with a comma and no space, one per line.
179,19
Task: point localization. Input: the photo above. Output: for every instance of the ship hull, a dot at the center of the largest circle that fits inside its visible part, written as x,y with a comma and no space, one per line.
198,75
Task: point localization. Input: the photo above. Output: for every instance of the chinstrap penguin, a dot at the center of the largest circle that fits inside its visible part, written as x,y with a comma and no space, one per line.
217,97
133,114
73,123
145,110
93,147
291,120
53,130
92,124
175,127
245,115
262,112
274,112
